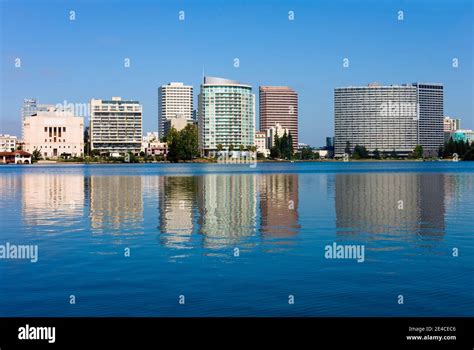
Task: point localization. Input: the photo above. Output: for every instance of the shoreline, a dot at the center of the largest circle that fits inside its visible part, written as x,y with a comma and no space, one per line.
51,162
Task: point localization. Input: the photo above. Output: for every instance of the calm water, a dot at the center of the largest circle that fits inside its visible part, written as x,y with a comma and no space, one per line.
183,223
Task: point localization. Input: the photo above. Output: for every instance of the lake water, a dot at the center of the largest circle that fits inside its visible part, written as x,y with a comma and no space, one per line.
230,240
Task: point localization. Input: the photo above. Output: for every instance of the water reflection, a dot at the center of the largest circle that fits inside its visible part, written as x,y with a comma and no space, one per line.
177,202
279,205
222,210
116,205
227,207
52,199
381,203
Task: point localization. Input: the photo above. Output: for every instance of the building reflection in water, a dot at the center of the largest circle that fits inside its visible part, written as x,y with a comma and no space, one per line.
52,199
116,205
279,205
376,203
177,203
228,208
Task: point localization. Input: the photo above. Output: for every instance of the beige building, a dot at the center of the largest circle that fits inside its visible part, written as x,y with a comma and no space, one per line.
7,143
54,132
261,143
178,122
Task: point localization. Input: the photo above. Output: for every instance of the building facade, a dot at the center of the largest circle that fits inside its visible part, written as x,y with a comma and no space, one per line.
226,115
7,143
275,130
55,132
30,108
450,125
176,122
279,104
393,118
175,100
116,126
261,143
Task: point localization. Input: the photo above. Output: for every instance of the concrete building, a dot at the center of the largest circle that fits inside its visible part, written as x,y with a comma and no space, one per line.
55,132
175,100
275,130
30,108
116,126
279,104
226,115
261,143
7,143
389,118
178,122
450,125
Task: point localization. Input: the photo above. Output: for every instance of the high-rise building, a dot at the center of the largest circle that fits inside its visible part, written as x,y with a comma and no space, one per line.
55,132
279,104
175,100
116,126
393,118
226,115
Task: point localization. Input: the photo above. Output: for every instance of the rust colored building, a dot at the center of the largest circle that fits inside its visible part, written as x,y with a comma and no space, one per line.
279,104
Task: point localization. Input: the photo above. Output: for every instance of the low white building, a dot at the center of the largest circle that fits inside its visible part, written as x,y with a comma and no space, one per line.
261,143
7,143
54,132
275,130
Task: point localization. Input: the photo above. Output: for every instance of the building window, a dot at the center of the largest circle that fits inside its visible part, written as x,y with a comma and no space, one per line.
64,129
45,129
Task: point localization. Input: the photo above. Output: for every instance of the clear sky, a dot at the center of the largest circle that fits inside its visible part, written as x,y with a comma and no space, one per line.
83,59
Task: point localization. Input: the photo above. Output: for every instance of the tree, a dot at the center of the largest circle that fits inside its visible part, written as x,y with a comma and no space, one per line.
360,152
307,153
469,155
275,150
376,154
440,152
183,144
417,152
241,148
142,154
36,155
231,147
348,148
220,147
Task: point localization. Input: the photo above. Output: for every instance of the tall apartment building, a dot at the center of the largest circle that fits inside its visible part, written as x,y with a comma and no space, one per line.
7,143
54,132
389,118
279,104
175,100
226,115
116,126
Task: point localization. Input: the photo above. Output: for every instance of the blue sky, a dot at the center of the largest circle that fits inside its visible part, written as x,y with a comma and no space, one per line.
83,59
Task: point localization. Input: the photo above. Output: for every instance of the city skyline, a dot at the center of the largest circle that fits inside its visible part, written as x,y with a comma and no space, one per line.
314,72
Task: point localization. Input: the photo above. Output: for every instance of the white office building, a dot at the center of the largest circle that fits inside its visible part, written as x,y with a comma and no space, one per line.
393,118
175,100
116,126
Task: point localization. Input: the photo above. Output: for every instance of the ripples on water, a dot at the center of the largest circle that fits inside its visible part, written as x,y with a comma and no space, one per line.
237,242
